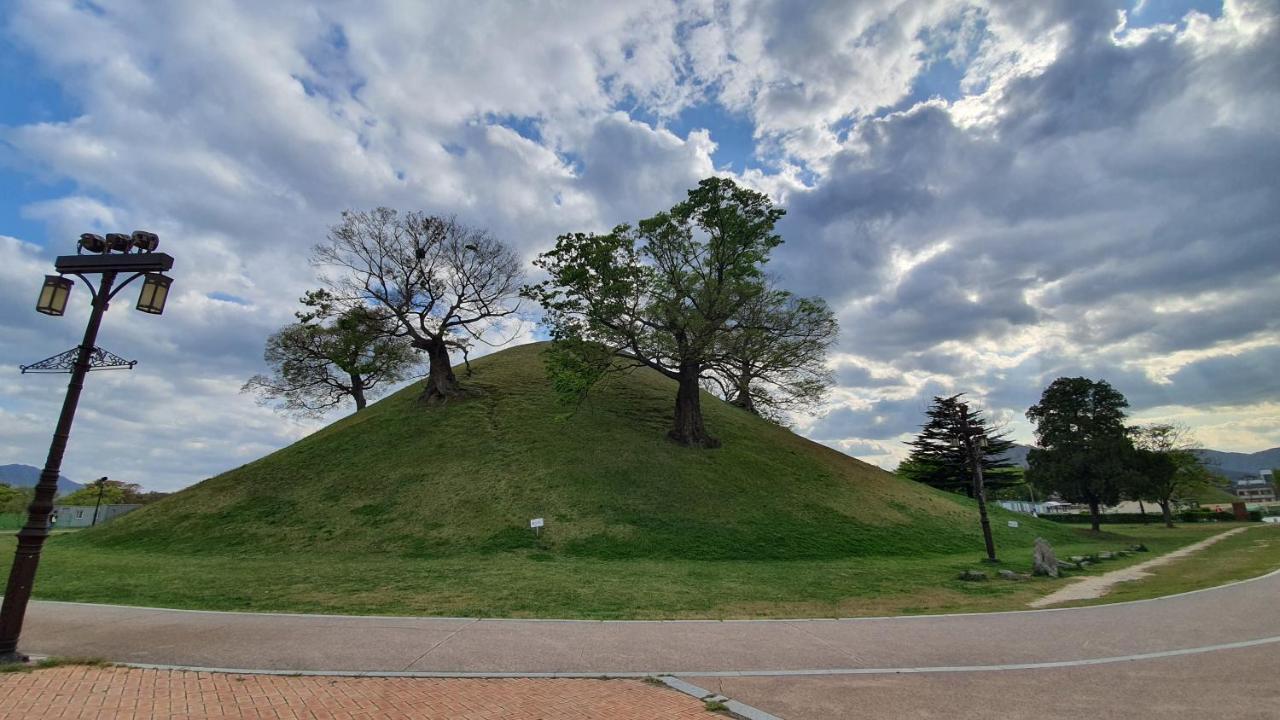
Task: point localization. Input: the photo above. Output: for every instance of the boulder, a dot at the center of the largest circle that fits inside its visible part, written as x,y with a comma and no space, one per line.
1138,548
1083,564
1043,561
1076,558
1011,575
1064,565
973,575
1104,555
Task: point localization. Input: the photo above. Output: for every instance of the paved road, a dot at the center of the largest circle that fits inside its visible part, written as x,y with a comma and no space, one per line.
1231,614
1237,684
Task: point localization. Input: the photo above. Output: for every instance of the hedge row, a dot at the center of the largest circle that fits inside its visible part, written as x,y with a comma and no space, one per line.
1186,516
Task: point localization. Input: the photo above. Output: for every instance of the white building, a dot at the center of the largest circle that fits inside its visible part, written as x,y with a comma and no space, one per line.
77,516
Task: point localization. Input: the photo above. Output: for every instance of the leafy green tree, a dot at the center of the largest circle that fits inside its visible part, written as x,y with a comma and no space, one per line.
1167,467
661,295
773,358
441,282
1084,454
330,356
112,492
14,500
939,457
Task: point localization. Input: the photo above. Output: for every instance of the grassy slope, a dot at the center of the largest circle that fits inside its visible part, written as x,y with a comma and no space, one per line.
410,481
408,510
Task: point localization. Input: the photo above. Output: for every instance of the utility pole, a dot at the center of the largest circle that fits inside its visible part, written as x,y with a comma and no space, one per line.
975,443
102,486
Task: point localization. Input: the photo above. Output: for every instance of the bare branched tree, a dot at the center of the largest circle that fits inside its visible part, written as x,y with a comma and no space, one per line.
444,283
773,360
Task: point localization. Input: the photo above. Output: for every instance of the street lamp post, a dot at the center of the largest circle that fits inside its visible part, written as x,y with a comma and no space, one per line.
102,487
95,255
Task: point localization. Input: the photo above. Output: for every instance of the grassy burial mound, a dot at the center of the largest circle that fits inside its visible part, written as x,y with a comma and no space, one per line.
413,481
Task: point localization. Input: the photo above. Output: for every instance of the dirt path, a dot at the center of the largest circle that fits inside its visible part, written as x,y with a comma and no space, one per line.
1088,588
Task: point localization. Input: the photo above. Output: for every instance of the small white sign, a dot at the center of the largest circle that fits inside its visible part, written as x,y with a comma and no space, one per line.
535,523
1013,523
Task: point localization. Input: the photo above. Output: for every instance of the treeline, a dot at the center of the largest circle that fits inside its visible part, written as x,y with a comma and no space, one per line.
1085,454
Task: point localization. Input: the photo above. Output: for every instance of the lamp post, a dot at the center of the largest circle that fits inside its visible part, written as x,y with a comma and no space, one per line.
102,487
95,255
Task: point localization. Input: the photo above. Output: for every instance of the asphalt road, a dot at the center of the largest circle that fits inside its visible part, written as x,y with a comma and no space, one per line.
1234,613
1211,653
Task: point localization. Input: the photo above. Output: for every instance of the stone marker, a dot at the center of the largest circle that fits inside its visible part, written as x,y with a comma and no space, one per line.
1043,561
973,575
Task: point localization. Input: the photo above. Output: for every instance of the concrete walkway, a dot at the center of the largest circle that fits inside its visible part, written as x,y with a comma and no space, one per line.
1088,588
1214,620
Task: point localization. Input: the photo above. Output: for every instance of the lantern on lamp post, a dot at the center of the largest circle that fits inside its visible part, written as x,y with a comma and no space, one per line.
53,295
105,257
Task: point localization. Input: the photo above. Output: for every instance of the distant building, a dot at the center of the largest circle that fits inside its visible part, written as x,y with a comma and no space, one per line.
1041,508
1259,489
78,516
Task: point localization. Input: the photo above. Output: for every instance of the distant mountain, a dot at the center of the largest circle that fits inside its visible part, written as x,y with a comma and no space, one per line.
27,476
1231,464
1235,465
1018,455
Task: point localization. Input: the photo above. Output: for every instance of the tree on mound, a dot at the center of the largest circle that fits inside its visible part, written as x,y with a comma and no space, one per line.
773,358
939,456
332,355
1084,454
443,283
662,295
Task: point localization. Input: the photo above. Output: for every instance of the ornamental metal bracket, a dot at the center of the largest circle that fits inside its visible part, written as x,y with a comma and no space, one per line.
64,362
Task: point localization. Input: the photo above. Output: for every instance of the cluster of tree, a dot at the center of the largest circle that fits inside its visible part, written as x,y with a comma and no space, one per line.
15,500
110,492
1086,453
398,290
684,293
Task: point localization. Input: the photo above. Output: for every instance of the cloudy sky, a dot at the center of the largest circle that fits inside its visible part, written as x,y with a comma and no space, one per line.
992,194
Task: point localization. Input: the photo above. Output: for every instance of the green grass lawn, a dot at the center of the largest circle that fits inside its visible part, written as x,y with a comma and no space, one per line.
1243,556
11,521
541,584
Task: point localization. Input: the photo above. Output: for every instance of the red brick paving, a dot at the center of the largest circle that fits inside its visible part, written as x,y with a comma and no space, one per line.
100,693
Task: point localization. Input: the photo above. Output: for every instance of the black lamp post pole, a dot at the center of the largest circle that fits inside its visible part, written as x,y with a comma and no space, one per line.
102,487
32,536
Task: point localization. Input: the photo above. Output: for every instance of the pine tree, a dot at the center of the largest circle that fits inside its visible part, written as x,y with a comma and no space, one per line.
938,457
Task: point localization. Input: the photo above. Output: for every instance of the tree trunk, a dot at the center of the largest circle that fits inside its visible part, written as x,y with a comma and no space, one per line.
441,384
743,397
1095,515
1166,509
688,429
357,390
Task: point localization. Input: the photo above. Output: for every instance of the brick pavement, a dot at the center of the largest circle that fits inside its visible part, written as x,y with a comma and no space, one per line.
101,693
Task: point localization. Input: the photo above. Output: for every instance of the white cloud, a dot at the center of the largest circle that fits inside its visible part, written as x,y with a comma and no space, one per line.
1090,198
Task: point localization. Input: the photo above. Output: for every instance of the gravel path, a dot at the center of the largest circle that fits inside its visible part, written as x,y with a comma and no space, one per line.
1088,588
